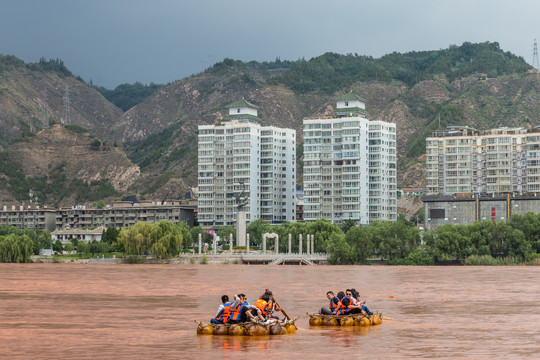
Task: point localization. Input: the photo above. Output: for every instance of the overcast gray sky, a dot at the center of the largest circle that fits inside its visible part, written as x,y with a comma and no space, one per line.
124,41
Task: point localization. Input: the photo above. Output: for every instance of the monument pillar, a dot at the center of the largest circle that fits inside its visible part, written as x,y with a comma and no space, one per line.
290,242
200,243
300,243
277,244
264,244
230,243
214,242
308,243
241,228
247,243
313,244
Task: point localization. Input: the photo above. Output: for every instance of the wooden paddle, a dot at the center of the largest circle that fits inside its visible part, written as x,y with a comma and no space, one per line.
282,310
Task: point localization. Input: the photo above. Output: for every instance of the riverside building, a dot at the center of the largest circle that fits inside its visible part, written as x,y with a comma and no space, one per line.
239,154
349,165
496,161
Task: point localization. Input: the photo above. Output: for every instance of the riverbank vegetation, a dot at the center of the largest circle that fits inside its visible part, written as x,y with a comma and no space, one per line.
516,242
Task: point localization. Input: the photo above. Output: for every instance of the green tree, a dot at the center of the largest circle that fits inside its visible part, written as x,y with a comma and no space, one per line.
69,247
529,224
137,239
195,231
322,229
348,225
83,248
359,240
187,238
57,246
110,235
339,250
256,229
224,232
15,248
100,204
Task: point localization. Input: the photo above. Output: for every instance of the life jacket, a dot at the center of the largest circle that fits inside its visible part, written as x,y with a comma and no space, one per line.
235,315
341,309
226,313
261,305
332,307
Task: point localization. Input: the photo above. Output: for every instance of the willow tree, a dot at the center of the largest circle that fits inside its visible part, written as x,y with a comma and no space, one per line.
15,248
137,240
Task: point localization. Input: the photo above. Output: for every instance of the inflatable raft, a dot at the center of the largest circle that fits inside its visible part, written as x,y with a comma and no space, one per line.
345,320
248,328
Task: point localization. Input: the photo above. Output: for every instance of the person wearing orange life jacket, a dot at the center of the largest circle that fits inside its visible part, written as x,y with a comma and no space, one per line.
334,301
354,305
343,307
241,311
272,305
262,305
220,318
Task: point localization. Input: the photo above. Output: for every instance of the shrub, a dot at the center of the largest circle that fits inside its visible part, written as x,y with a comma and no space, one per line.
204,260
133,259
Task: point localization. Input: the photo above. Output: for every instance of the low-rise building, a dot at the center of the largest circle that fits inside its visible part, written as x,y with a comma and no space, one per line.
121,214
29,217
67,234
465,209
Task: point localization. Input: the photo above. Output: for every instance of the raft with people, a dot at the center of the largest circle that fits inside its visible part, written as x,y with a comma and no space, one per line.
345,320
256,328
239,318
345,309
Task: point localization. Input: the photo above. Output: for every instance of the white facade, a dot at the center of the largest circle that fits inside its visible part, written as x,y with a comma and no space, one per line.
240,150
349,166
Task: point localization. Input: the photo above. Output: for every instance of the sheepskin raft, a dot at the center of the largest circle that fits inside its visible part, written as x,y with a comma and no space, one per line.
345,320
248,328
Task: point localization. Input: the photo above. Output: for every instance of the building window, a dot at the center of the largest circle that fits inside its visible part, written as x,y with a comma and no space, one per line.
436,213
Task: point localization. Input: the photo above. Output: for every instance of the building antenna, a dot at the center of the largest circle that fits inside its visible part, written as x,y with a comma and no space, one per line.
535,62
66,106
45,110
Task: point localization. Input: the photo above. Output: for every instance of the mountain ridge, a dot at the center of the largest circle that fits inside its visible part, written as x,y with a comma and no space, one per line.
483,86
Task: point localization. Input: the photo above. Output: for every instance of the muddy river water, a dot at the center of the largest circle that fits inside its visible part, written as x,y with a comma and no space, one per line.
81,311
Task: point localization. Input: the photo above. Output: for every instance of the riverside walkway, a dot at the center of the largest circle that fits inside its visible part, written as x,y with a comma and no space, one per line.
259,258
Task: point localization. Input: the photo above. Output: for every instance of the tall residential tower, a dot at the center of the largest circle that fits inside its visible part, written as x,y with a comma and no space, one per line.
349,165
240,154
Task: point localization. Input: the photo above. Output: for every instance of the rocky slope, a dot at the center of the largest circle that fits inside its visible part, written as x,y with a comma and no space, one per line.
63,165
31,99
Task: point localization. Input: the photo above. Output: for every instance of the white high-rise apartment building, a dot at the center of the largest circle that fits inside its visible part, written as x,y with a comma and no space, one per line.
239,153
349,165
466,160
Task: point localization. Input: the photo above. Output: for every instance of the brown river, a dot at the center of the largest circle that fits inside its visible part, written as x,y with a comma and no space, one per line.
81,311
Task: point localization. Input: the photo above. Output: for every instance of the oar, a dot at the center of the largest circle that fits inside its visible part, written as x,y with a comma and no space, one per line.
282,310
